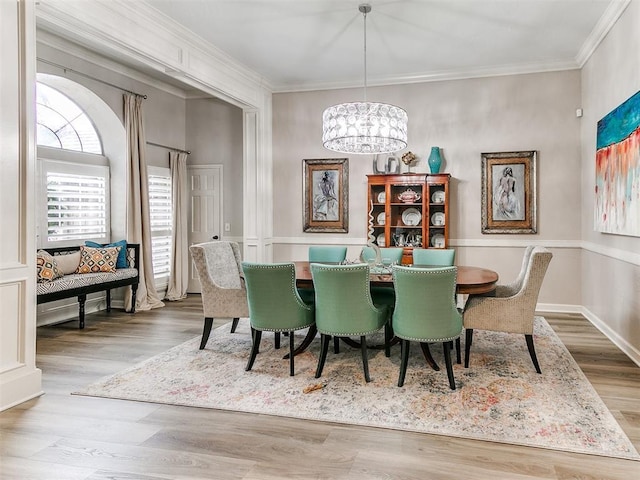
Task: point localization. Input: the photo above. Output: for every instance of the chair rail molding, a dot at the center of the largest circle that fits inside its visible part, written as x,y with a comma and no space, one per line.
613,252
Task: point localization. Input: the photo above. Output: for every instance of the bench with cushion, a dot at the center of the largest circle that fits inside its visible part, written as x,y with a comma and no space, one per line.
59,273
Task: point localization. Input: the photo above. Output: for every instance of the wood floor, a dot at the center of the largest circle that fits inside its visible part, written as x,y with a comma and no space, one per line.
65,437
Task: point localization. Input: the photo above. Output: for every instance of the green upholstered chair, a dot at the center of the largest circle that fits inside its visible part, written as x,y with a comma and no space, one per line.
322,254
513,307
327,254
344,308
434,257
426,312
390,256
274,304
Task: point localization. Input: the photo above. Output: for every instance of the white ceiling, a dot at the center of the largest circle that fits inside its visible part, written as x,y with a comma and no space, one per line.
308,44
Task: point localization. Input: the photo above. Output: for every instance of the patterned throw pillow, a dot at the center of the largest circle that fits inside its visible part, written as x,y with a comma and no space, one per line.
122,256
94,260
47,267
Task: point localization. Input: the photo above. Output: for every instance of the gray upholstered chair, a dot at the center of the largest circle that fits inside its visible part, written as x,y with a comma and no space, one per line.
426,312
512,310
274,304
434,257
509,289
223,291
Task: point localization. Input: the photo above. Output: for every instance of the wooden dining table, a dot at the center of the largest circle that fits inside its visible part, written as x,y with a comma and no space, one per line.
469,280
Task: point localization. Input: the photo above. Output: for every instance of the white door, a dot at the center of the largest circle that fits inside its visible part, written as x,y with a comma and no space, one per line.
205,211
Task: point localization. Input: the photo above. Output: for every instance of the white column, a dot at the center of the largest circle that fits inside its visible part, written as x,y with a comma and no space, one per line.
20,380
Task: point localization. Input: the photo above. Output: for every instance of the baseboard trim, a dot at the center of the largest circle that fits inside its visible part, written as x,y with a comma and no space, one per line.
558,308
629,350
20,388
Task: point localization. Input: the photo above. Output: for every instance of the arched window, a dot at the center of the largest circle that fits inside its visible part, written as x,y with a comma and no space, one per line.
63,124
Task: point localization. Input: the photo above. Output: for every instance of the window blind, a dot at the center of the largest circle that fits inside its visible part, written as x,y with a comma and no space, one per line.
76,206
161,213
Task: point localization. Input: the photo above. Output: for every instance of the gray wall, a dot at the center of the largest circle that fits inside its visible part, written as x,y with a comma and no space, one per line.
464,118
164,109
214,136
611,263
210,128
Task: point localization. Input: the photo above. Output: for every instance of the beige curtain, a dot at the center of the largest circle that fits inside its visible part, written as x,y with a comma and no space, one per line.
179,276
138,220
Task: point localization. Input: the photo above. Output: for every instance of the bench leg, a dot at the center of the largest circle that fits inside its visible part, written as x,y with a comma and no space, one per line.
108,300
81,301
134,289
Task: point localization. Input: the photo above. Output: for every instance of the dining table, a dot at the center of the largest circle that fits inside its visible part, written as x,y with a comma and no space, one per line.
470,280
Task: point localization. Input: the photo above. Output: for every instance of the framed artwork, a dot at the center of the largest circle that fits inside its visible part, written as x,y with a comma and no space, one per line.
509,192
326,195
617,202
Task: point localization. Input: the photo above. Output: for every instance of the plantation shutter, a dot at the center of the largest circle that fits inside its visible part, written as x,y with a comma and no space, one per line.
161,220
76,206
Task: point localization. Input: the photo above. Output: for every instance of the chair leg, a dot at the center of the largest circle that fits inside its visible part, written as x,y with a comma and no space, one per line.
256,336
404,360
458,359
234,325
532,352
276,340
365,360
324,342
427,356
336,344
447,359
208,323
388,334
467,346
291,355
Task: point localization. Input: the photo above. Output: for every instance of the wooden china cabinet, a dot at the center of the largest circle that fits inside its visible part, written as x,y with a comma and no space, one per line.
409,210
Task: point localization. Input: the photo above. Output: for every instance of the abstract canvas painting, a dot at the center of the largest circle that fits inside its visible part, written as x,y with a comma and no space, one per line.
617,202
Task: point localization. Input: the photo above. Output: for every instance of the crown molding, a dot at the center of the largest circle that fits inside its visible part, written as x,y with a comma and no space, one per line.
54,41
497,71
604,25
138,33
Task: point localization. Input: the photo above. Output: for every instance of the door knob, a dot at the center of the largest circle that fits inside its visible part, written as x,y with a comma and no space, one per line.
215,237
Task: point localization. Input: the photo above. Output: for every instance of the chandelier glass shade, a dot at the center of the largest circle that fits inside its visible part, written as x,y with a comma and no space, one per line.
364,127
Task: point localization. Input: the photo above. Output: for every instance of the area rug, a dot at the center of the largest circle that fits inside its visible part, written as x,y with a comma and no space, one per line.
499,398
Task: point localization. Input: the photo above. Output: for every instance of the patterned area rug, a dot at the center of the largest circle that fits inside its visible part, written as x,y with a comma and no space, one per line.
499,398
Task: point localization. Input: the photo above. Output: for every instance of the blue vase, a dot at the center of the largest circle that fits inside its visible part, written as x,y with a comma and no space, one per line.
435,160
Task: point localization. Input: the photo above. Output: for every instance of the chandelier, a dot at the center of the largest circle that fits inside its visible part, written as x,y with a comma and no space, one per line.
364,127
